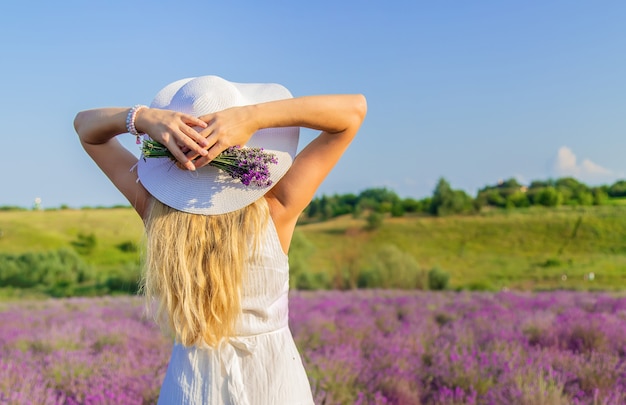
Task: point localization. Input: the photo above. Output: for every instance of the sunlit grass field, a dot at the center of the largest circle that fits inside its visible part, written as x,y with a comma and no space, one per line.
24,231
523,249
534,248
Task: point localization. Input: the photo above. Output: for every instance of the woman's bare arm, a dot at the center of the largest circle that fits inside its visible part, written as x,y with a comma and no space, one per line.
97,130
337,116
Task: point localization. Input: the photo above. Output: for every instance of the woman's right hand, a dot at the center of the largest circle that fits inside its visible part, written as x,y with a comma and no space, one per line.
230,127
175,131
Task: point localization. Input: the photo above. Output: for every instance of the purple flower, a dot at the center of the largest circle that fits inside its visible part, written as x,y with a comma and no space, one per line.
249,165
359,347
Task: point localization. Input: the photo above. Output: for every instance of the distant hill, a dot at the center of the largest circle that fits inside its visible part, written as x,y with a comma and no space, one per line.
534,248
531,248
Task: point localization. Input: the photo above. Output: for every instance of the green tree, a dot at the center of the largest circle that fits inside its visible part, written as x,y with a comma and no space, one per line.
494,198
379,195
617,189
447,201
313,209
600,196
573,191
378,199
326,207
347,202
503,194
397,209
411,205
539,184
548,197
510,184
518,199
582,197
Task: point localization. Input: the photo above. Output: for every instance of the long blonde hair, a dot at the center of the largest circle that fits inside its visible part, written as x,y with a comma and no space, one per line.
194,266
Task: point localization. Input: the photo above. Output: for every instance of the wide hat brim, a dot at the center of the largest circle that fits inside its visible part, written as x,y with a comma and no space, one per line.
208,190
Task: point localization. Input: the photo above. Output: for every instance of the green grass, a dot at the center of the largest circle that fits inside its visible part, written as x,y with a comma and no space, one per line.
522,249
24,231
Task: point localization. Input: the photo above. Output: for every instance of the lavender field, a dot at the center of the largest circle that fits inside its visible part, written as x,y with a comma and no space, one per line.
361,347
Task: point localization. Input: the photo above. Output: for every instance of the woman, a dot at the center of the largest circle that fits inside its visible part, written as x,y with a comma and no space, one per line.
216,248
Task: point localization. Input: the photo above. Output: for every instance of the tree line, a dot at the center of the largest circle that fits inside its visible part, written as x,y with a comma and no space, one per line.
447,201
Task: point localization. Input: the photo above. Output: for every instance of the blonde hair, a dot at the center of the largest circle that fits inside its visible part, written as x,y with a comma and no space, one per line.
194,266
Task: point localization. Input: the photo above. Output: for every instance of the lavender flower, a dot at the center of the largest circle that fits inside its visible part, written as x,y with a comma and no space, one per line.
249,165
359,347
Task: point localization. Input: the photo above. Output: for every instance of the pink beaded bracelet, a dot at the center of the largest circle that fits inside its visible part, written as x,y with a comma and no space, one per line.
130,121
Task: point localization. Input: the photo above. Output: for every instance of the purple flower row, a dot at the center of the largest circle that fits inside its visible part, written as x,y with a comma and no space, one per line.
360,347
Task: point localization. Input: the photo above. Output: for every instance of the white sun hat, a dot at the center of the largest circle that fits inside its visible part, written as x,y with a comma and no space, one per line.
208,190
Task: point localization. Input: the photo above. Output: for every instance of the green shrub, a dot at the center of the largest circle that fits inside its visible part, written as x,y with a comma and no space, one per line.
390,267
438,279
128,246
552,262
124,279
311,281
54,270
374,220
397,210
11,208
84,244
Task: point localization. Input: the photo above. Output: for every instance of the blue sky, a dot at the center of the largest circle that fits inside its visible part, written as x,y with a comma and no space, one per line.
471,91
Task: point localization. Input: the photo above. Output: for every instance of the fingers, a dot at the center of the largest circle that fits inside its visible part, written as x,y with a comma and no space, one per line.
206,118
179,132
201,162
206,142
186,140
180,156
194,121
191,135
212,153
212,134
200,150
189,143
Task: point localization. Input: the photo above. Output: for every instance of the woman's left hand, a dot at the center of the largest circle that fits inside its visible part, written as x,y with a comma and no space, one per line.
175,131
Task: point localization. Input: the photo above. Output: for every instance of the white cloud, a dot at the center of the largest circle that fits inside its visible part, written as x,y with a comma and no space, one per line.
589,167
565,161
566,164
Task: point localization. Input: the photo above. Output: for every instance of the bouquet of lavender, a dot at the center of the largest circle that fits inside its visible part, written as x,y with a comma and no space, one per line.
250,165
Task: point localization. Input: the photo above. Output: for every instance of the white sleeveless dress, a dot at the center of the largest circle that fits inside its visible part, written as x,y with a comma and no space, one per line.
261,364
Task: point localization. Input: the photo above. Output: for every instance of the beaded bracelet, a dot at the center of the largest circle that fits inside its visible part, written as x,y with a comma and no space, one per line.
130,121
